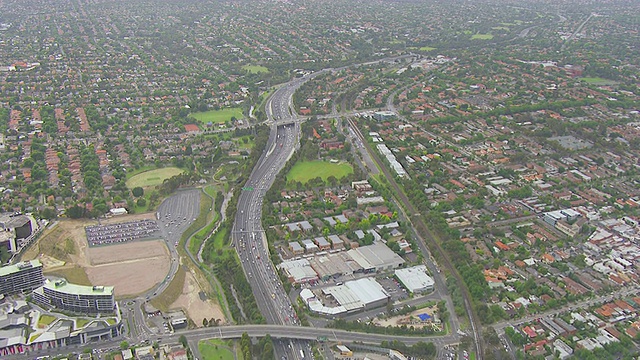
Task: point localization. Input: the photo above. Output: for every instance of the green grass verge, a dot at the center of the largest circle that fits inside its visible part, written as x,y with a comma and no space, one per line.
218,116
304,171
80,323
218,239
152,177
426,48
216,292
481,37
164,300
255,69
215,349
46,320
200,236
211,190
74,275
204,223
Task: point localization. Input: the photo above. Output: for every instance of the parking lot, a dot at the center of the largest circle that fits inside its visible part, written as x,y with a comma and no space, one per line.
98,235
393,288
176,214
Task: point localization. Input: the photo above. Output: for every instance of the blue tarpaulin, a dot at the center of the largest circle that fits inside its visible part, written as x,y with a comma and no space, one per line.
424,317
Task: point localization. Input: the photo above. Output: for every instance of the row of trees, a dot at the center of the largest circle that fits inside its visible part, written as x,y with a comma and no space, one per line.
263,350
225,263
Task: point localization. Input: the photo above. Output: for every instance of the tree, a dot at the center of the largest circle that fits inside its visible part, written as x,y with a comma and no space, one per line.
137,191
124,345
245,345
75,212
183,341
205,322
48,213
142,202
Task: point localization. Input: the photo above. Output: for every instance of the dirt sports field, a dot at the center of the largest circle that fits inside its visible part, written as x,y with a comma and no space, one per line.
131,268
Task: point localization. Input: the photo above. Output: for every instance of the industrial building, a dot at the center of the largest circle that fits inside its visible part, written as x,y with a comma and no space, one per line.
376,258
334,265
298,271
353,296
373,258
24,276
415,279
76,298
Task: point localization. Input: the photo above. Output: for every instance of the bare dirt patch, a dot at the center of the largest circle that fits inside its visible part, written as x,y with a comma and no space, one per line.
412,319
132,277
131,268
127,252
196,308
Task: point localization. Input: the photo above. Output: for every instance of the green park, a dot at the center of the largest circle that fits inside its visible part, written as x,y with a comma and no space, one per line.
303,171
152,177
218,116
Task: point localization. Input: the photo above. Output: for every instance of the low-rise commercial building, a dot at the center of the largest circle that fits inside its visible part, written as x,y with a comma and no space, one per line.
415,279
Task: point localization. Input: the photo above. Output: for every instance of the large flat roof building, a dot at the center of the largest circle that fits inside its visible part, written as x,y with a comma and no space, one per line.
77,298
415,279
356,295
24,276
376,257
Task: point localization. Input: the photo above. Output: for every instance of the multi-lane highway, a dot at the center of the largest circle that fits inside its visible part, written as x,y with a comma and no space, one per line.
248,236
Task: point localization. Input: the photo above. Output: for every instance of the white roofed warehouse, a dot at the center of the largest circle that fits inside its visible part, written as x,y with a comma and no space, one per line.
415,279
376,258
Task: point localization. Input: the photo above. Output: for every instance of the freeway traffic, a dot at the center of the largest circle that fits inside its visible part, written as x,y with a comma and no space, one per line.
248,236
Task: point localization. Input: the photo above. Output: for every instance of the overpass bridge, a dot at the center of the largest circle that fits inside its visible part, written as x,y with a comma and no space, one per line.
287,332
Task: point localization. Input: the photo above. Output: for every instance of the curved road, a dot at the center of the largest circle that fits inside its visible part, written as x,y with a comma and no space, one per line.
247,233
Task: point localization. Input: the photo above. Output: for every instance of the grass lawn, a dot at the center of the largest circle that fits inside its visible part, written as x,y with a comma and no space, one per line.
218,116
426,48
171,293
203,225
304,171
80,323
74,275
152,177
501,28
255,69
218,239
45,320
481,37
199,237
597,81
215,349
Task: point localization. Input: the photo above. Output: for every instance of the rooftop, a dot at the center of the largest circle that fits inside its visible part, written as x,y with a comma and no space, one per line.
11,269
63,286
